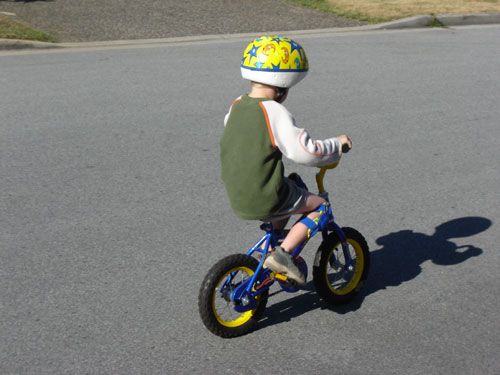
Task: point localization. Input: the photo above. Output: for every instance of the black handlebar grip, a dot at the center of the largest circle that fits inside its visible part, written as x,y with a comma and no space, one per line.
345,148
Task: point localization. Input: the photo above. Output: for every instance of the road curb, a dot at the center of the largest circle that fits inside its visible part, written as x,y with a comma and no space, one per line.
16,44
404,23
468,19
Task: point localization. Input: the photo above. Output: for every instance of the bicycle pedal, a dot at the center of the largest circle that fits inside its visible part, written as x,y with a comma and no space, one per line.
280,276
289,285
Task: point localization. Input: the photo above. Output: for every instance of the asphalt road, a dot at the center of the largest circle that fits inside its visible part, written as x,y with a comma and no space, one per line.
97,20
112,209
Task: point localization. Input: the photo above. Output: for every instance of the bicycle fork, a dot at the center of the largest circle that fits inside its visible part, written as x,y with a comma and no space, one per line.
345,245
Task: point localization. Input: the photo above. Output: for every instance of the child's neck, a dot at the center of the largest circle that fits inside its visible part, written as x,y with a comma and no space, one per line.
262,91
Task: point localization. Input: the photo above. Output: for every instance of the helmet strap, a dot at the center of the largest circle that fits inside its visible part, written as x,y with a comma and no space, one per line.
281,93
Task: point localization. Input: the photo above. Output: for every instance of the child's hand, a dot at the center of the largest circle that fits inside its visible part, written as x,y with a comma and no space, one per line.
346,142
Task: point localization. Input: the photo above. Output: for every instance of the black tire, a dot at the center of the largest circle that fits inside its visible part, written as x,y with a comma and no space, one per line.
334,283
217,312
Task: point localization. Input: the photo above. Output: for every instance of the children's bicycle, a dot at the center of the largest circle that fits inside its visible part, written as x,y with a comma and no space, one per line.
234,293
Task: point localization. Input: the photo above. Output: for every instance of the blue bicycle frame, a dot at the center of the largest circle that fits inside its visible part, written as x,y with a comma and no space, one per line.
262,279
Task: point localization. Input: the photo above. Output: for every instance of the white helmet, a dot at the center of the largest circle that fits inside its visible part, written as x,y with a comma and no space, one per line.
275,61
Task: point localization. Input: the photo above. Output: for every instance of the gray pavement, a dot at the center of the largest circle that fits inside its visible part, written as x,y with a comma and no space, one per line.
112,209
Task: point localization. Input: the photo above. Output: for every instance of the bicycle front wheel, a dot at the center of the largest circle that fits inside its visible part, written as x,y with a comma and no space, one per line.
214,301
336,279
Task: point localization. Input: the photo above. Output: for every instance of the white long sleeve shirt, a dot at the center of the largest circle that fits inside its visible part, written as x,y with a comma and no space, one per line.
295,143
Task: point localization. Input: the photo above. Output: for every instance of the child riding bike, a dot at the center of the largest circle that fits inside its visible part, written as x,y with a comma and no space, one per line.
258,132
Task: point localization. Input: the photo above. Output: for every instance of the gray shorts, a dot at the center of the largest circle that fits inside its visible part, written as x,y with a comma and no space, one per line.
296,198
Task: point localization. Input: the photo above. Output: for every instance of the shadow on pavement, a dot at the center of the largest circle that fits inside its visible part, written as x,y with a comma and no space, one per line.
397,261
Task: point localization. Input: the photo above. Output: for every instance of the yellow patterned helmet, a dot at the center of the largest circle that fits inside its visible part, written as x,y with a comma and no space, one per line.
275,61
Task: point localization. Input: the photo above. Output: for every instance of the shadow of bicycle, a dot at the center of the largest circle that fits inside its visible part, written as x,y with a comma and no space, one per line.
397,261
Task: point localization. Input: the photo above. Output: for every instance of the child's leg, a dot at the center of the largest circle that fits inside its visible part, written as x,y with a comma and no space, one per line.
281,260
298,233
280,224
277,225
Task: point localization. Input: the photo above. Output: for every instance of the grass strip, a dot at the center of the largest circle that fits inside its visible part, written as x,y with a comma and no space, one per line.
14,30
375,11
329,7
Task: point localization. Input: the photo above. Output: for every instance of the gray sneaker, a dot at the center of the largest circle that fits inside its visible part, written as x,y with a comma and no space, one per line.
282,262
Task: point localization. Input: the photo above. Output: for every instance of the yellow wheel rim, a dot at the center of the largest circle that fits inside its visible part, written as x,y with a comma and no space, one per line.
234,318
358,257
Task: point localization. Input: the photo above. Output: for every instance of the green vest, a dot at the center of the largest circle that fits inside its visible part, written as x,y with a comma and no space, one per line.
252,169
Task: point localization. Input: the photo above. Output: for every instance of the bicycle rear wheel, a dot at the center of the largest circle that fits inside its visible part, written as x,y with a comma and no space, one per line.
214,301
